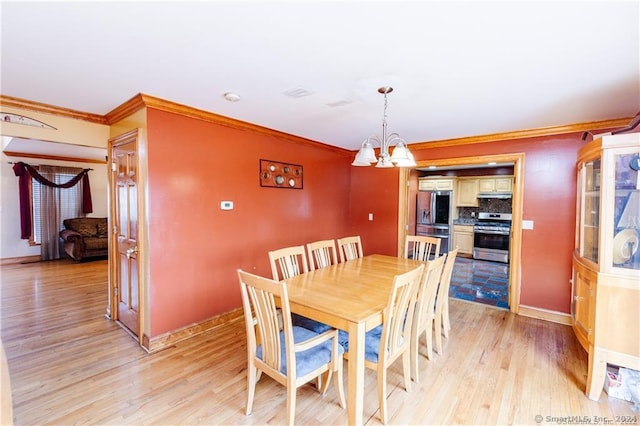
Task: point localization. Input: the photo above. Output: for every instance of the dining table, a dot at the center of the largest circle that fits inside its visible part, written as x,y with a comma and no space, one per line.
349,296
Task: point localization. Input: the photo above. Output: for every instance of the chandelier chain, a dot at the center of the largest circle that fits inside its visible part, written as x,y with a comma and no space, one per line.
401,156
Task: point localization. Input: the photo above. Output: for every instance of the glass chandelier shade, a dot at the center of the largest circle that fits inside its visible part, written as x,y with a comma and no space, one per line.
400,157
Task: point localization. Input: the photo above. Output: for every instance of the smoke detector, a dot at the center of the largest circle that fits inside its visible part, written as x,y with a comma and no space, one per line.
231,97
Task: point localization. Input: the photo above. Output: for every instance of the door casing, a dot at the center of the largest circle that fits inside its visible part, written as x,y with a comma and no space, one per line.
515,245
143,331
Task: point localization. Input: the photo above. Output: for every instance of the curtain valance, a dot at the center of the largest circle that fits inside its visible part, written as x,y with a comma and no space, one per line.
24,171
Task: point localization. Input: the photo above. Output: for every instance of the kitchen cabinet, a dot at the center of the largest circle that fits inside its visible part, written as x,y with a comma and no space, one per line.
435,184
501,184
467,192
606,260
463,239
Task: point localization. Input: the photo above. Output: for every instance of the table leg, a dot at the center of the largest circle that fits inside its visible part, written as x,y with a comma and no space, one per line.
355,383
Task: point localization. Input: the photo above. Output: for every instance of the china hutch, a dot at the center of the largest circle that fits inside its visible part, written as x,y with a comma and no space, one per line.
605,306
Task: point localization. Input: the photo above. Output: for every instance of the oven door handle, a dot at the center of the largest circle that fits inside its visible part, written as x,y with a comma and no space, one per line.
491,232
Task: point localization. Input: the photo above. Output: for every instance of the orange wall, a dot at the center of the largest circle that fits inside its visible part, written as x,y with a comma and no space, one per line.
195,248
375,191
549,200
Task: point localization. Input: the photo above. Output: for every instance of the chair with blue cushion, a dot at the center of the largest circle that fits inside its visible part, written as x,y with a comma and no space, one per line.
293,356
286,263
424,314
385,344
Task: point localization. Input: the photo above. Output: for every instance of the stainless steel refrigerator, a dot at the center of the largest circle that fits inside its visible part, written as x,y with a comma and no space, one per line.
433,216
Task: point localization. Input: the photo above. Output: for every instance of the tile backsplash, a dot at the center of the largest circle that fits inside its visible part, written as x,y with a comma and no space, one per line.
489,205
467,212
495,205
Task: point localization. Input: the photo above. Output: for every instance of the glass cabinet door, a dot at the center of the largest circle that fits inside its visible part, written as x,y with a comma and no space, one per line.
589,208
626,223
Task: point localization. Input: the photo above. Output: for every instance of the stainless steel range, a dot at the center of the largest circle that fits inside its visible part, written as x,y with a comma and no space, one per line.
491,237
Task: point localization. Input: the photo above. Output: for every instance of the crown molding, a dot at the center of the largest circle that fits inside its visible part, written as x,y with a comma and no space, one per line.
141,101
125,109
51,109
528,133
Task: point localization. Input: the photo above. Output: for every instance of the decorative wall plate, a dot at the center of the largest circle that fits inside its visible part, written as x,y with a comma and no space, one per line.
275,174
625,245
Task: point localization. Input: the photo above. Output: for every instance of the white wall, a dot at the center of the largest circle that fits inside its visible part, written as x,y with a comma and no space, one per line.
10,243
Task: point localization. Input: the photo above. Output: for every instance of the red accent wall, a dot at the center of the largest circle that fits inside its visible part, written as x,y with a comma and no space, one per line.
195,247
375,191
549,200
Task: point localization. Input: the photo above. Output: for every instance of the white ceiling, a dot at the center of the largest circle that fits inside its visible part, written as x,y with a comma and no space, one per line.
458,68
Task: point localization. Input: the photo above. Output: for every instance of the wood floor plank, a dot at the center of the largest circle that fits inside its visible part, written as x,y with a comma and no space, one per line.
71,365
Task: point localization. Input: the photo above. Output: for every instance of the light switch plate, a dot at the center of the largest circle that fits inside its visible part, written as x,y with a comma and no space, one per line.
226,205
527,224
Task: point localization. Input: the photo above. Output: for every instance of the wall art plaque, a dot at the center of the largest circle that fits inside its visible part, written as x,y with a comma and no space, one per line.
275,174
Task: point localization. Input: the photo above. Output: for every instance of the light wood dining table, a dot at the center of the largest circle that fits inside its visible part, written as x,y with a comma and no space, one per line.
349,296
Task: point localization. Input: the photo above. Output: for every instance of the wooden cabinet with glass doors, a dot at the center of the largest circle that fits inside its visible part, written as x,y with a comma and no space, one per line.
605,306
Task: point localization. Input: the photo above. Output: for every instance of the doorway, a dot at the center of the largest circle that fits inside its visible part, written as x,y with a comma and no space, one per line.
515,246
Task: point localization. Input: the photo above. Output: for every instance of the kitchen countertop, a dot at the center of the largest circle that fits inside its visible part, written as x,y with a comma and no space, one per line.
464,221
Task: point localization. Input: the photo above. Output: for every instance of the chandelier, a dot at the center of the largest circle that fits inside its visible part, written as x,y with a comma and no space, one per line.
401,156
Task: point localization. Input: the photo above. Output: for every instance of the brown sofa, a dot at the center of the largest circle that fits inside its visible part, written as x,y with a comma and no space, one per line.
85,237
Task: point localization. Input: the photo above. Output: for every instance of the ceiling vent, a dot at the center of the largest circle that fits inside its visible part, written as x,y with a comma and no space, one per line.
340,103
297,92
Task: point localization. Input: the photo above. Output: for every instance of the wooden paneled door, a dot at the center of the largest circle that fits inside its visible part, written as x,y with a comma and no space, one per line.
124,259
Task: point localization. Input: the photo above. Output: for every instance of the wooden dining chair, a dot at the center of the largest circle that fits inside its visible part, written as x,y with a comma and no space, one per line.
424,314
292,356
442,324
423,248
286,263
322,254
384,345
350,248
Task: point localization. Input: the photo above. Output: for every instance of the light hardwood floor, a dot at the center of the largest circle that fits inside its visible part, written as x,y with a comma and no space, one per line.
70,365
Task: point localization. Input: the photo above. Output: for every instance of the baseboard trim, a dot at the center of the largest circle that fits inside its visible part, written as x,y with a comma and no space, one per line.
544,314
166,340
19,259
